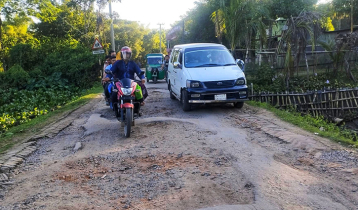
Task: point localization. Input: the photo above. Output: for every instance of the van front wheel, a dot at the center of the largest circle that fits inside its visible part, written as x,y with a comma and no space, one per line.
171,92
238,105
185,101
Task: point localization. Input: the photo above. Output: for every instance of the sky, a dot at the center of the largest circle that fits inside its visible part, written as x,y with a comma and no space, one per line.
152,12
323,1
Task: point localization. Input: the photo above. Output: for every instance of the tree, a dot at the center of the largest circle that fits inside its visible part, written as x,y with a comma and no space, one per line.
304,28
342,9
129,33
289,8
243,21
198,24
327,12
66,21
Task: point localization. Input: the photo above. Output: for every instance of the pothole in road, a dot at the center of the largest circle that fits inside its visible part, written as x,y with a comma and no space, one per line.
174,181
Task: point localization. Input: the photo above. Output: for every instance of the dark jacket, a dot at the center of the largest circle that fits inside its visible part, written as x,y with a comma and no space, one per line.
122,70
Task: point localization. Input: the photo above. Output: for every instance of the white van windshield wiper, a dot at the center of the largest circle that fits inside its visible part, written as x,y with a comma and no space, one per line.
208,64
229,64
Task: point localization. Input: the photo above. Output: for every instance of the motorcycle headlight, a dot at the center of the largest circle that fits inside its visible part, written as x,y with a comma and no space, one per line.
126,91
240,81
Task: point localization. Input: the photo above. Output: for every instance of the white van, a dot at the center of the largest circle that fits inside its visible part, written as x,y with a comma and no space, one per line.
205,73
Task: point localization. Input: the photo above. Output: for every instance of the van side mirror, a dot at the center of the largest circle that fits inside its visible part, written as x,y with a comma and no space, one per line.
240,63
177,65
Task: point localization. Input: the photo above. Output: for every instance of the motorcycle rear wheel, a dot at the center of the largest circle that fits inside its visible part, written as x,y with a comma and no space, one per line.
128,122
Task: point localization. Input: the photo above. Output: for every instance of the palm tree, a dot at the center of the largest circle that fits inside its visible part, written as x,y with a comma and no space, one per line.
298,32
218,20
240,20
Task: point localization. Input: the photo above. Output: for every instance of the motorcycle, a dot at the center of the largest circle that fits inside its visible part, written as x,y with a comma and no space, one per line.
125,106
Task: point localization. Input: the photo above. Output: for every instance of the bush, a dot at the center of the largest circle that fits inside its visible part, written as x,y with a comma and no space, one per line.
25,55
17,107
55,81
77,65
16,77
52,77
36,73
264,78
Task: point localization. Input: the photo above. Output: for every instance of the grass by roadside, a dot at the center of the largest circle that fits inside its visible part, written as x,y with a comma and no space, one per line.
15,134
312,124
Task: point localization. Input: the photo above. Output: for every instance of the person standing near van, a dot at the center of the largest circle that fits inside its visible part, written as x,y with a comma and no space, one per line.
165,66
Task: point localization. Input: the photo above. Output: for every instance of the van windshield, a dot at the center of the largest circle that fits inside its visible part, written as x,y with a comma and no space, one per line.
154,60
207,57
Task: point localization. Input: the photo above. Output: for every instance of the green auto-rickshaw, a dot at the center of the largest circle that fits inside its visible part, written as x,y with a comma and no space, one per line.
153,69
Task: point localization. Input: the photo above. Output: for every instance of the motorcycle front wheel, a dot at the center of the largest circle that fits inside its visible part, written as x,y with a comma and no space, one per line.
128,122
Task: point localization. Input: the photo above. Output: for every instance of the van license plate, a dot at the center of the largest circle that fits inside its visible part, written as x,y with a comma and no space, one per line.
220,97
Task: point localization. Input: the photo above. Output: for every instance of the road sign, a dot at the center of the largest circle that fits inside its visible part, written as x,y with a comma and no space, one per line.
97,45
97,52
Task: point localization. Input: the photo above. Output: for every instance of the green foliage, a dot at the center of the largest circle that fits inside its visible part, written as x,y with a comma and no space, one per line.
77,66
312,124
130,33
25,55
55,81
17,133
342,9
19,107
199,24
16,77
289,8
264,78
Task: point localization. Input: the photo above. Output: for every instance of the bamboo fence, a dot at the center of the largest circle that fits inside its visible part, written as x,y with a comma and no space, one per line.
328,103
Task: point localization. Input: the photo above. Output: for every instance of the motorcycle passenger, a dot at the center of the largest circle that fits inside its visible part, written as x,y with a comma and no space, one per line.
108,58
104,76
126,68
107,78
112,53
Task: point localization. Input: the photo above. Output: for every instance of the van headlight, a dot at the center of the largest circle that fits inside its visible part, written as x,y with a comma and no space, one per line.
193,84
127,91
240,81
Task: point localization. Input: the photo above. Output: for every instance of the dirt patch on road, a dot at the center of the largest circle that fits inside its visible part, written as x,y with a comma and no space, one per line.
156,181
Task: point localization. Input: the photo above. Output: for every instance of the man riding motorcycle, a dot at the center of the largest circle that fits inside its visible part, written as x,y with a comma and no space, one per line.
126,68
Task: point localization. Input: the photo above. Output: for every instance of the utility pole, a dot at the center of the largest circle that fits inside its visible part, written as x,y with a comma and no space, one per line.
113,45
351,16
182,38
160,36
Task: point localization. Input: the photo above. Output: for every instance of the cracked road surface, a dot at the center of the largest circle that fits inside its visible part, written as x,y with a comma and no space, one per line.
214,158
